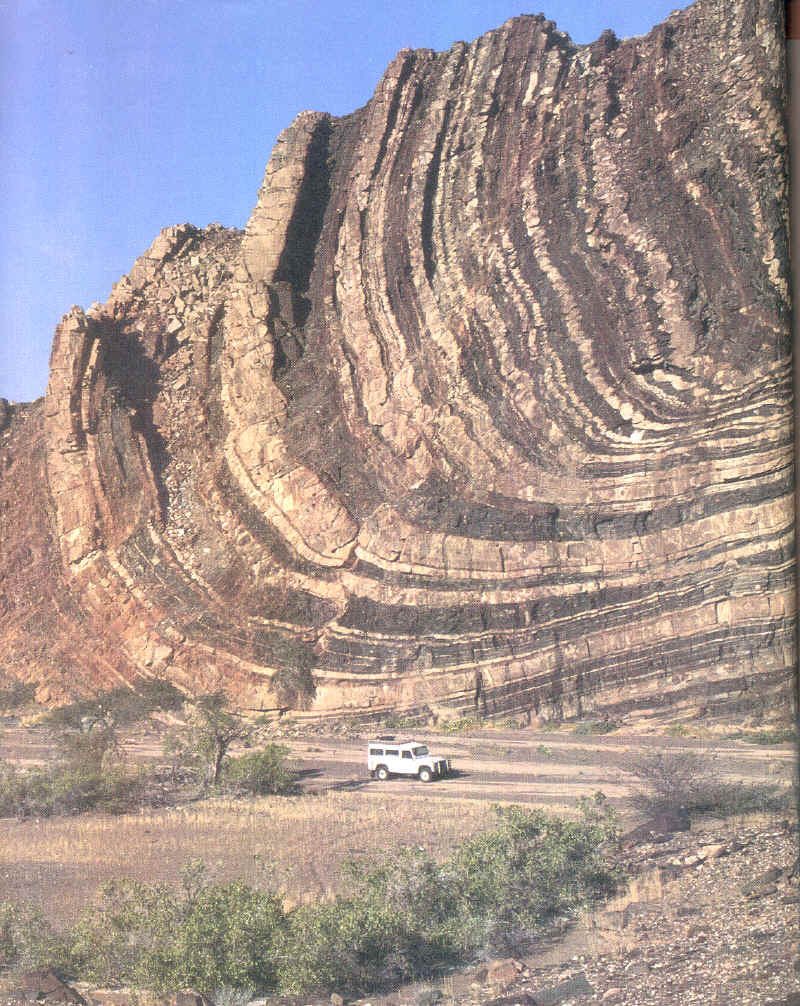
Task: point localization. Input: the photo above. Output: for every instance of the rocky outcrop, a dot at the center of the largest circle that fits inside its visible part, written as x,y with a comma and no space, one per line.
490,405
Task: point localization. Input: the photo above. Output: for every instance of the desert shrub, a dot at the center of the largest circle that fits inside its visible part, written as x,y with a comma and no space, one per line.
776,735
670,780
91,751
675,782
592,727
514,723
227,995
206,936
23,793
261,773
88,775
72,715
404,916
113,790
408,914
16,694
536,866
66,789
399,721
26,939
462,724
722,798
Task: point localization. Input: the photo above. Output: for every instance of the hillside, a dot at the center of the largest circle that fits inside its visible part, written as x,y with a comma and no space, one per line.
489,406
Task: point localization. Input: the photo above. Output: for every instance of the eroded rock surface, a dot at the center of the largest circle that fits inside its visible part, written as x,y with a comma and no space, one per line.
489,405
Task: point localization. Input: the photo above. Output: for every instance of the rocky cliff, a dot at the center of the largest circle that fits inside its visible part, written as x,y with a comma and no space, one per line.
489,404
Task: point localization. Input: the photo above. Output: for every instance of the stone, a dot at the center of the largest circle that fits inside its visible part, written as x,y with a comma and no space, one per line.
429,998
503,972
122,997
190,998
572,988
613,920
714,851
658,828
46,987
761,890
520,999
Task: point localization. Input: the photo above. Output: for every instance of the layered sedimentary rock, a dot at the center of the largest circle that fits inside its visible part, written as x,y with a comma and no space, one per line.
489,404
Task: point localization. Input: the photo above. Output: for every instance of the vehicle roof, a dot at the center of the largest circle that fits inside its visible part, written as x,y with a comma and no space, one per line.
394,743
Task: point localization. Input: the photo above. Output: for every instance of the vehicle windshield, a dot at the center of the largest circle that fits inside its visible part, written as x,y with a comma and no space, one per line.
421,751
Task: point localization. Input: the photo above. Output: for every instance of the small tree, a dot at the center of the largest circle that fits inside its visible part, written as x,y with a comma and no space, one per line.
685,783
211,730
669,780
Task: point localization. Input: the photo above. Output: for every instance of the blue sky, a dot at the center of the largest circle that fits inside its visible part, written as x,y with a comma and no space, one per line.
120,117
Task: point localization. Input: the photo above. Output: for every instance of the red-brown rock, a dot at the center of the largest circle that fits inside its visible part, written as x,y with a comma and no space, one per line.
489,408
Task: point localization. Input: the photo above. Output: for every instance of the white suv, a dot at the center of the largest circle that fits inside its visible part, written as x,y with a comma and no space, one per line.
387,757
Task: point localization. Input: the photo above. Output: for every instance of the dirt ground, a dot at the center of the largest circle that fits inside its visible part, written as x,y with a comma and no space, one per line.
299,844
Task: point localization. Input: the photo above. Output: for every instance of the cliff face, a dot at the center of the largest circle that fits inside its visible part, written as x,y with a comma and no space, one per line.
490,403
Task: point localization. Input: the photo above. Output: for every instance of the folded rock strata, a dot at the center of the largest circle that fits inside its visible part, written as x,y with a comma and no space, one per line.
490,404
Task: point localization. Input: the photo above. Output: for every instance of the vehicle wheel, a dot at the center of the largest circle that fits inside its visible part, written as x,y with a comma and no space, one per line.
425,774
382,772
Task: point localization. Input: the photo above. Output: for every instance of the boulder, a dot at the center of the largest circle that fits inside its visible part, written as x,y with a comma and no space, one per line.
503,972
46,987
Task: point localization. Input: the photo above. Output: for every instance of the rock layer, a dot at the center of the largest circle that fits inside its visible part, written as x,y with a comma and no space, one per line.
490,405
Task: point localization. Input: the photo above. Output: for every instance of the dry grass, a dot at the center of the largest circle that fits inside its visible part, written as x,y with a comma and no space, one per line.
295,844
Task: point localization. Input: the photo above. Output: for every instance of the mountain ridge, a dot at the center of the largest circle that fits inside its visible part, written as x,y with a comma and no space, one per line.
487,408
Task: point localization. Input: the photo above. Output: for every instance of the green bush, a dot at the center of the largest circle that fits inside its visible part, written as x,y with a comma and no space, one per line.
43,792
408,914
463,724
261,773
777,735
26,940
90,751
404,917
536,866
592,727
206,937
16,694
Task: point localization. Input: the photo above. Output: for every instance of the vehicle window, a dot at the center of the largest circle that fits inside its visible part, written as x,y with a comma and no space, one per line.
376,751
389,752
406,754
421,751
